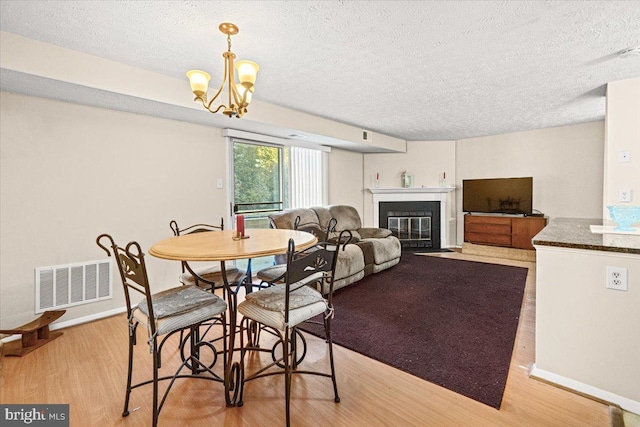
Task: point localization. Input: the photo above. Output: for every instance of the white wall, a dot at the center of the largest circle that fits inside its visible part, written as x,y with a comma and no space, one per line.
345,179
566,164
71,172
427,160
587,336
622,133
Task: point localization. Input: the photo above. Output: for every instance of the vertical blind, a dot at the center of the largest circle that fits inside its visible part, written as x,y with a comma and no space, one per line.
306,178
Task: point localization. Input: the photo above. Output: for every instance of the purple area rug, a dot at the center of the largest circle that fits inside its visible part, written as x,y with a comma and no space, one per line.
447,321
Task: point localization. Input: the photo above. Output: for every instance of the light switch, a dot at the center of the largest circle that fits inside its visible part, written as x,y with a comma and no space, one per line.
219,183
624,156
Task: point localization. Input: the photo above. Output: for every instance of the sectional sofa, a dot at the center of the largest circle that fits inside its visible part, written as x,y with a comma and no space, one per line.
374,249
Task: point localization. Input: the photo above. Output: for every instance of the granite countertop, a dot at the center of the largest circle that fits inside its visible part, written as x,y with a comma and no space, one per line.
576,233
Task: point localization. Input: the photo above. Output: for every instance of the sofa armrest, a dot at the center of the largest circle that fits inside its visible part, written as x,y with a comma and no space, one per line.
374,233
335,235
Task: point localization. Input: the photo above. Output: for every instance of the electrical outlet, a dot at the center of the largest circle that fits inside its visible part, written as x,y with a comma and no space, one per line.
617,278
624,195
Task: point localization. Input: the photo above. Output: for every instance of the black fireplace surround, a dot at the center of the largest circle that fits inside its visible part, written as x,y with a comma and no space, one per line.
416,224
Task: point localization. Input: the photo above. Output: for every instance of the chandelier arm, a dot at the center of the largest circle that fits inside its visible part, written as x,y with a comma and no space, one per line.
215,96
221,106
236,96
208,106
224,79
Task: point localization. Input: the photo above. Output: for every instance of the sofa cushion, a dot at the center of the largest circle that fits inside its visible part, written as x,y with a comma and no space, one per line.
287,219
347,216
376,268
379,251
335,235
349,267
374,233
323,216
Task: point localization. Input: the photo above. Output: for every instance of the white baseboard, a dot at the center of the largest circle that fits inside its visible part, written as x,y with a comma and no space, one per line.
75,322
623,402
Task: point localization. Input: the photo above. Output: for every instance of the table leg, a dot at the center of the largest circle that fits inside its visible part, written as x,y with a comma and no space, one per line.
232,370
248,284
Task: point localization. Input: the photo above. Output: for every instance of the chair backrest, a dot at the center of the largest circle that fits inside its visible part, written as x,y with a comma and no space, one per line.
196,228
312,265
133,272
313,228
309,227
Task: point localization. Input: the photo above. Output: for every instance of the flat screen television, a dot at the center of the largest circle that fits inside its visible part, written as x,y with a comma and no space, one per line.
498,195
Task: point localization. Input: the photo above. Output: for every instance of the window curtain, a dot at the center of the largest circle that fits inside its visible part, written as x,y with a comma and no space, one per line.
307,177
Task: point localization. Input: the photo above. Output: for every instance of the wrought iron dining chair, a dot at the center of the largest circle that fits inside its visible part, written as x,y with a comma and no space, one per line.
209,277
282,307
275,274
183,308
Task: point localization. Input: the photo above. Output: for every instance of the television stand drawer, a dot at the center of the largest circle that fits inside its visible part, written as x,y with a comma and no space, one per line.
488,238
511,232
488,228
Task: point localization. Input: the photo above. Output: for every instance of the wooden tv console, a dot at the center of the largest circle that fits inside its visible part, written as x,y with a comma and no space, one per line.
502,230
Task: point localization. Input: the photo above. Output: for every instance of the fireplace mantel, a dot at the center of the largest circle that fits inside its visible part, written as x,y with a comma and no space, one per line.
402,190
427,194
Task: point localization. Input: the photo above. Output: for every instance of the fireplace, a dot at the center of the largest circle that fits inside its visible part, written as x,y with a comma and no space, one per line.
440,218
415,223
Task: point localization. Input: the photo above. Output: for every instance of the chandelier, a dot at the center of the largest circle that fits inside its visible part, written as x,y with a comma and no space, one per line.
239,94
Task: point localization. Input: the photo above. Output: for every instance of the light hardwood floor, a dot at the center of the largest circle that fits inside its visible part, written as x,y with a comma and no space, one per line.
87,369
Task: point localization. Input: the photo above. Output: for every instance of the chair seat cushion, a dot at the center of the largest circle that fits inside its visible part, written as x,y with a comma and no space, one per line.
180,307
270,274
268,305
213,274
273,298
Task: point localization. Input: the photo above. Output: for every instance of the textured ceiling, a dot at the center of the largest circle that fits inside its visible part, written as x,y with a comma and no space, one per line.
414,70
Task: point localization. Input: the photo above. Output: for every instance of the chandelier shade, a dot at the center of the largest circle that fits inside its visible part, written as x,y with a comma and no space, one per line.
199,81
247,72
239,94
244,92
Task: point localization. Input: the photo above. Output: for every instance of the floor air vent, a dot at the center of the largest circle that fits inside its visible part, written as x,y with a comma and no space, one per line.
73,284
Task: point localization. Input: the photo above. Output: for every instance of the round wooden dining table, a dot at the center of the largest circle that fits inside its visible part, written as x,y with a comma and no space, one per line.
222,246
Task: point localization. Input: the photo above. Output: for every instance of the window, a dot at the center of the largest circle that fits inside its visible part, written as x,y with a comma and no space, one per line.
257,182
270,175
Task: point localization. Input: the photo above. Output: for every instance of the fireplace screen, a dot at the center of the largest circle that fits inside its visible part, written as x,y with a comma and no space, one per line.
415,223
410,227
